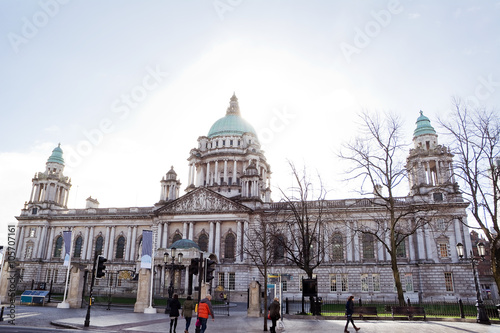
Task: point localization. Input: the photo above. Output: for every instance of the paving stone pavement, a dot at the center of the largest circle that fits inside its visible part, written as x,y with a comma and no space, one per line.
125,320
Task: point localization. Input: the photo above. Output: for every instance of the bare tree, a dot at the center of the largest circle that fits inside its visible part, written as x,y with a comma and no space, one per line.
259,249
376,158
476,145
301,223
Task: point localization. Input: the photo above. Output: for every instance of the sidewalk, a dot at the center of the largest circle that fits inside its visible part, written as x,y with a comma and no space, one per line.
238,322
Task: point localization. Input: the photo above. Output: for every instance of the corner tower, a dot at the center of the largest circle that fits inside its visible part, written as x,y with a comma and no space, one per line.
430,165
229,160
50,188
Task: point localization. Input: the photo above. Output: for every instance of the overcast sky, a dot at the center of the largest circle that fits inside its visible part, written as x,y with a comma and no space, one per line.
127,87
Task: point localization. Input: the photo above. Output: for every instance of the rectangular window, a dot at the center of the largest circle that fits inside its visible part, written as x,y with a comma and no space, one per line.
376,282
333,282
441,225
409,282
32,232
29,251
232,281
443,250
222,279
345,282
230,142
364,282
284,284
448,281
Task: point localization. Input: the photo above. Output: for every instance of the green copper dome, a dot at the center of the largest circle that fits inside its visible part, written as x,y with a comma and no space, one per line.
57,155
184,244
423,126
232,123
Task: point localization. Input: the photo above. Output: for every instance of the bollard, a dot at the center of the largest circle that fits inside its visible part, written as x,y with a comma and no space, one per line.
461,307
287,306
1,313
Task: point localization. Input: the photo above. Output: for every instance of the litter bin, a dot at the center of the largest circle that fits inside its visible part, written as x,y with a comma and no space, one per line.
319,303
498,309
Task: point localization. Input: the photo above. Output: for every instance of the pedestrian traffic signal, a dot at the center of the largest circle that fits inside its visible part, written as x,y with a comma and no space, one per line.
209,270
100,266
193,268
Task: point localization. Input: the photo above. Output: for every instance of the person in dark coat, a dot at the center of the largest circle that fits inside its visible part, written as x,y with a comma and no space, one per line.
274,313
187,311
174,305
349,310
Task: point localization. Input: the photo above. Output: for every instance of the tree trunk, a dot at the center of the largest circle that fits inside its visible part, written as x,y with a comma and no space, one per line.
397,280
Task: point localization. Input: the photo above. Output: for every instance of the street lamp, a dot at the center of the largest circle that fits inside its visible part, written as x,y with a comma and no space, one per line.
482,317
172,267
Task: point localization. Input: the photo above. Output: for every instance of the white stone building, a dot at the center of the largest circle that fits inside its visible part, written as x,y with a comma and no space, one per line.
228,191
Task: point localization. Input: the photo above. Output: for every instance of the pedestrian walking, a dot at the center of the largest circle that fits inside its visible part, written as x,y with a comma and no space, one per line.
349,310
187,312
274,313
204,310
174,305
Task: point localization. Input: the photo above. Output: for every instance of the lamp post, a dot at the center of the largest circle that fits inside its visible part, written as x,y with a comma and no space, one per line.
482,317
172,267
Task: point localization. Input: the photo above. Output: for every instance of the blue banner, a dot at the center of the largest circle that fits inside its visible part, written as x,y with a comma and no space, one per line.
147,248
67,247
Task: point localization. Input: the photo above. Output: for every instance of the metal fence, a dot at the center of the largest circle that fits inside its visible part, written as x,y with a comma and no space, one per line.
433,309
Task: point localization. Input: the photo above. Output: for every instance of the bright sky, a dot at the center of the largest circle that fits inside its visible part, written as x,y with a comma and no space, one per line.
127,87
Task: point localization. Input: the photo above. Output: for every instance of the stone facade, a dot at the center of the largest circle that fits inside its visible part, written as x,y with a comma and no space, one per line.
228,193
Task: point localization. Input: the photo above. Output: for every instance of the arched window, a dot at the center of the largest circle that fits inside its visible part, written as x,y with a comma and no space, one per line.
120,247
337,247
98,245
279,248
230,245
176,238
58,247
78,247
368,247
203,242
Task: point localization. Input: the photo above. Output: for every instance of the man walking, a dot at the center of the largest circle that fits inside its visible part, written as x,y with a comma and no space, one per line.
204,310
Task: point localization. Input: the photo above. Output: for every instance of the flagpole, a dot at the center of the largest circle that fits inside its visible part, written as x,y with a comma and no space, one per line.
64,304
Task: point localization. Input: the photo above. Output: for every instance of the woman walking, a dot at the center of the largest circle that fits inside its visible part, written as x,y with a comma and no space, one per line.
187,312
274,313
349,310
174,305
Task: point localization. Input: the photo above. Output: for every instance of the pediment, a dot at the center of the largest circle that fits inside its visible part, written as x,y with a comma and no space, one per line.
202,201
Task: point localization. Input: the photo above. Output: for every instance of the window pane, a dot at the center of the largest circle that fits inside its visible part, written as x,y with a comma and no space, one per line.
368,248
376,282
448,280
364,282
230,245
333,282
120,247
337,247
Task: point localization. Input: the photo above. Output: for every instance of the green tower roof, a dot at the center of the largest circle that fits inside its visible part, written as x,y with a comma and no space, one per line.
423,126
184,244
232,123
57,155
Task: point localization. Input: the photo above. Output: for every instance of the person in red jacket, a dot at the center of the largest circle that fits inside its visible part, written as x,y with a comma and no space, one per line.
204,310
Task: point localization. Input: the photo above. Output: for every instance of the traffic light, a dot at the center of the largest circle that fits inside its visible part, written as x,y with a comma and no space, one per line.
209,270
193,268
100,266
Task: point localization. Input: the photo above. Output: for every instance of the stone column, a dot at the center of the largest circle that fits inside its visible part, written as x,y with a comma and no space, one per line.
207,178
106,242
143,290
191,230
132,243
90,244
75,287
254,300
216,172
217,240
420,245
5,284
41,237
225,171
245,226
238,242
111,243
51,239
85,244
184,230
127,244
164,240
211,238
20,242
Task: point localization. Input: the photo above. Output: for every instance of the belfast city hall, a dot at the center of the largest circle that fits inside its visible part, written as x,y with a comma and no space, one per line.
228,194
